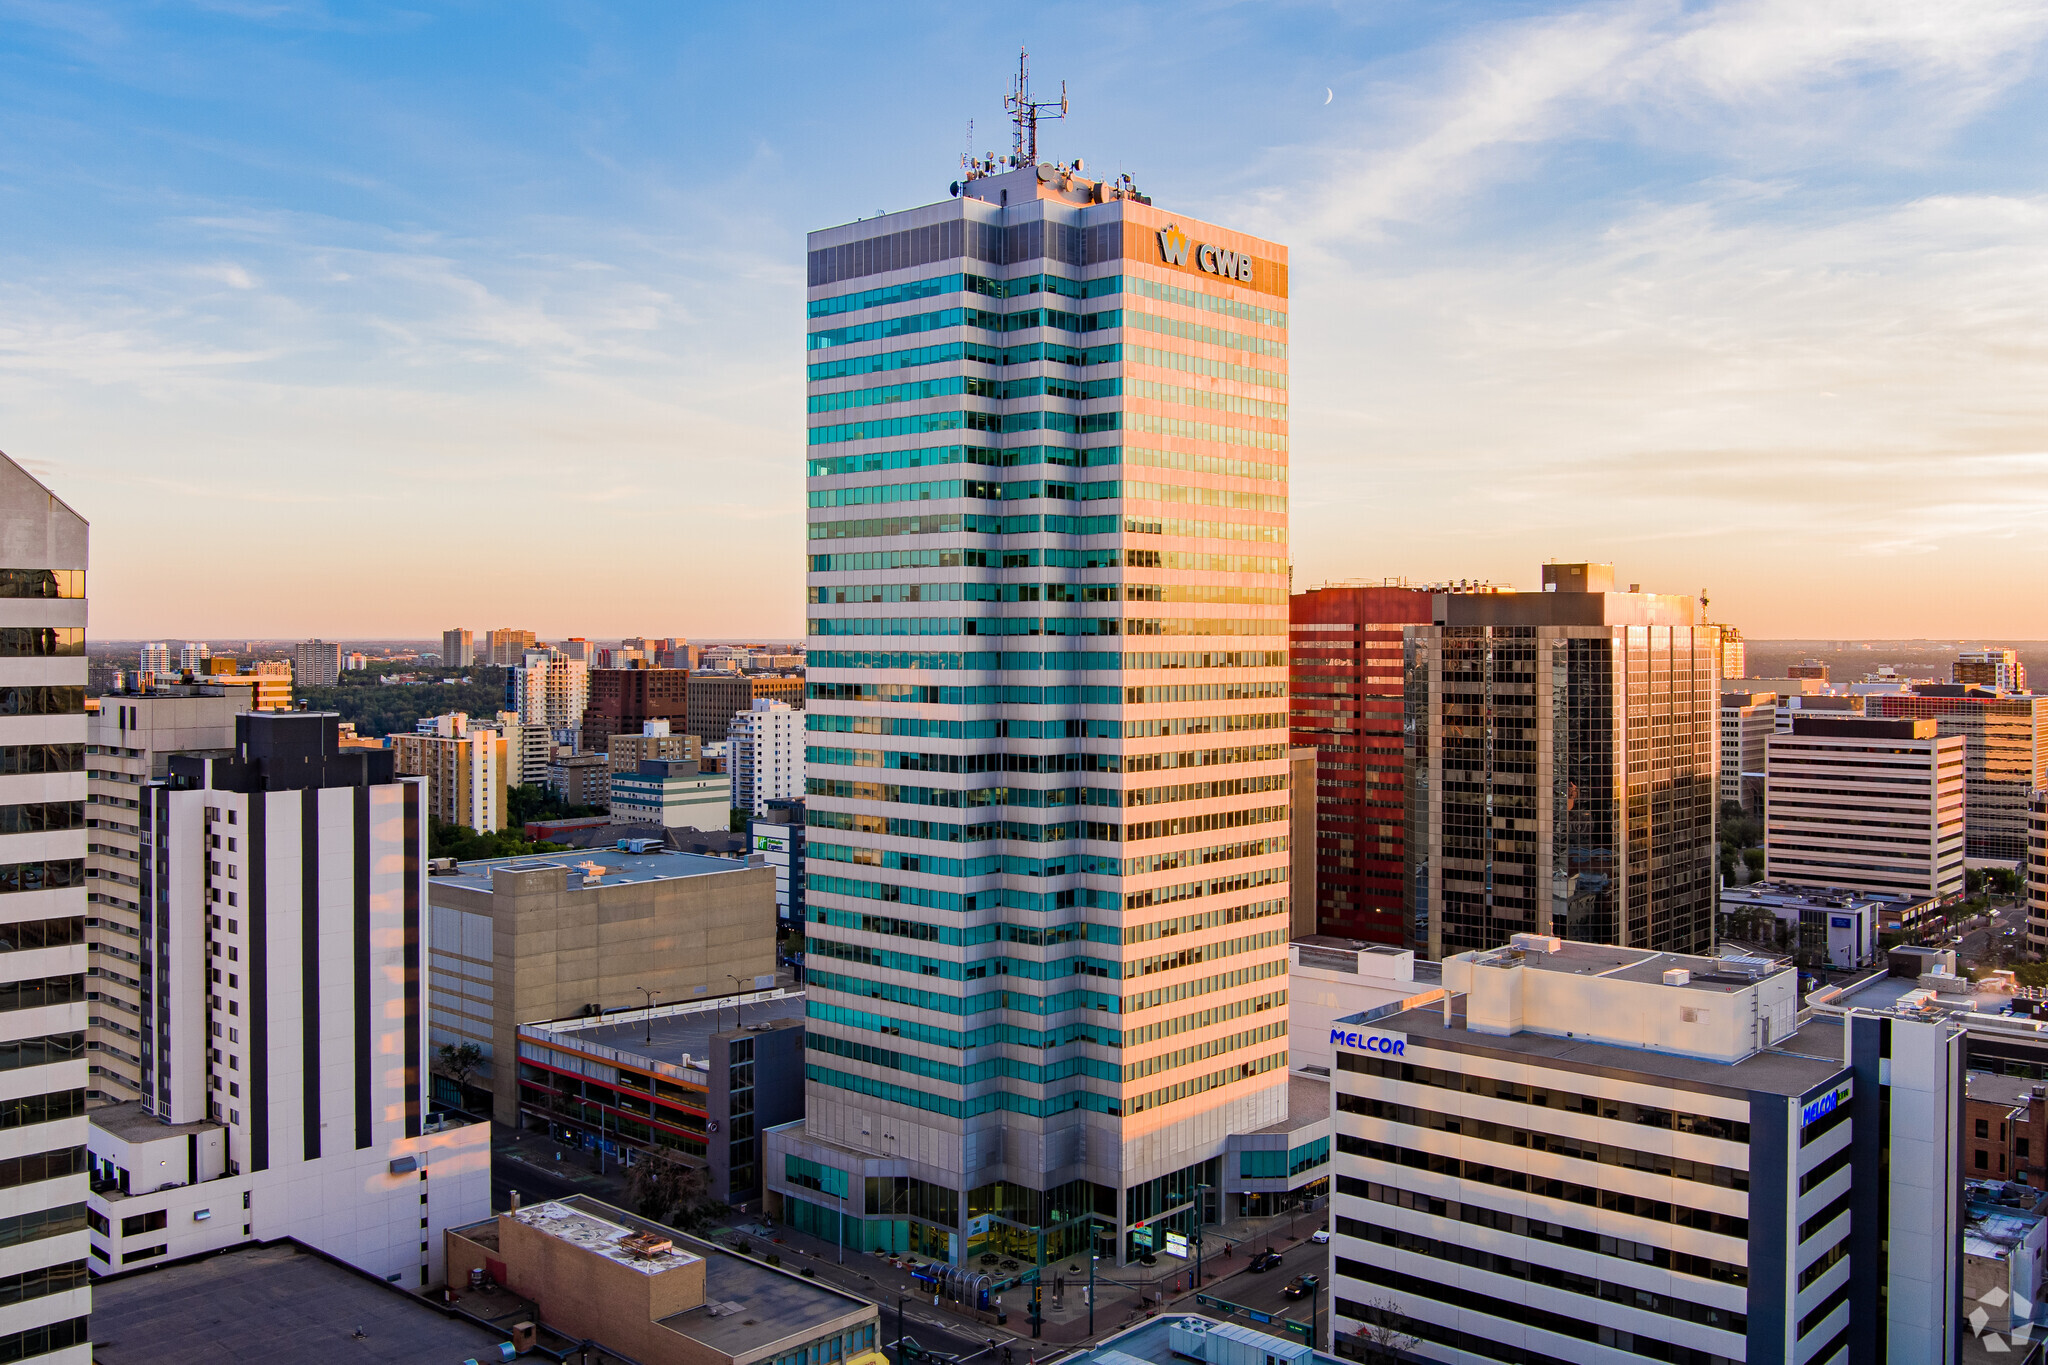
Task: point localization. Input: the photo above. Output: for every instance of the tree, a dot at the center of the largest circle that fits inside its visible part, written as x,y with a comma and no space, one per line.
466,844
459,1061
667,1189
1382,1332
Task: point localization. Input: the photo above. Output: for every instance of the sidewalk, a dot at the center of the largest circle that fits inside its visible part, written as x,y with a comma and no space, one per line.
577,1167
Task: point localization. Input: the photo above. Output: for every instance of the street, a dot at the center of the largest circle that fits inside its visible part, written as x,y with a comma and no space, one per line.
1980,944
1262,1291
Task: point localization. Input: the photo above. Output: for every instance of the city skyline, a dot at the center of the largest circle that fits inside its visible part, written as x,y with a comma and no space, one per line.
1722,294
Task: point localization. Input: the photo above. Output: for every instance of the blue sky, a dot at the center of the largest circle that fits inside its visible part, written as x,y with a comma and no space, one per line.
365,320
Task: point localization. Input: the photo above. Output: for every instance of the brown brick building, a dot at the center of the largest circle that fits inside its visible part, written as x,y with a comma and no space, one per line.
2005,1122
715,698
621,698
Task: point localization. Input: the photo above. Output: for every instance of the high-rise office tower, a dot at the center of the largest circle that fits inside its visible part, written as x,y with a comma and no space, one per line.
458,648
1048,806
284,1086
1565,767
1866,805
2005,737
1347,705
42,898
316,663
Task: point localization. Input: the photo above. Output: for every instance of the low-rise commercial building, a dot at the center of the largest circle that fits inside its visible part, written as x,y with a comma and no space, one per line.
2005,1246
1867,805
634,1288
1591,1153
703,1078
673,793
1830,927
553,936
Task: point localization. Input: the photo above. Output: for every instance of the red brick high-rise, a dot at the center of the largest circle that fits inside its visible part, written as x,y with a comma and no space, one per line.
1347,685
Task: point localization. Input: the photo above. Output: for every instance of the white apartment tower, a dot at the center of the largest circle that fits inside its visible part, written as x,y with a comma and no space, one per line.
154,658
551,690
193,655
315,663
43,1241
1047,703
284,1077
764,752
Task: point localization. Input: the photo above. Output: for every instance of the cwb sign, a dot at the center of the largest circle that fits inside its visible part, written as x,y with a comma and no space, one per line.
1216,260
1368,1040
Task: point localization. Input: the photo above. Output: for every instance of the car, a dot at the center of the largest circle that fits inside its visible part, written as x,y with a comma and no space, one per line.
1268,1259
1300,1287
1321,1236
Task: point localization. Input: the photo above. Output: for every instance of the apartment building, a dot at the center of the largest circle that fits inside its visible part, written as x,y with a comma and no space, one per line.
506,648
43,984
1346,702
1748,720
764,755
657,739
2005,756
464,766
549,689
315,663
154,658
129,743
284,1078
458,648
1589,1154
1734,653
1866,805
193,656
1998,669
1536,803
715,698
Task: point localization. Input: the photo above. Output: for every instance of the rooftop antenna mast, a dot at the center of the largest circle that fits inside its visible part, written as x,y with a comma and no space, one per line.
1025,113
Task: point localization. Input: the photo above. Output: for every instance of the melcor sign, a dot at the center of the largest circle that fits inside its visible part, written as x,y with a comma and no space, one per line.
1216,260
1370,1040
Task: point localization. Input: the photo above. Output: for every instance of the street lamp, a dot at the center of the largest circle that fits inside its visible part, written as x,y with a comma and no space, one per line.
842,1227
1201,1210
1094,1255
735,998
650,1010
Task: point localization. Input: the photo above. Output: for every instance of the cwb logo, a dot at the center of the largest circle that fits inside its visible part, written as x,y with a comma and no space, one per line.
1385,1044
1173,249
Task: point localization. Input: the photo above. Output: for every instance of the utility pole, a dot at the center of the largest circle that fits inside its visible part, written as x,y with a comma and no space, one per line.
899,1328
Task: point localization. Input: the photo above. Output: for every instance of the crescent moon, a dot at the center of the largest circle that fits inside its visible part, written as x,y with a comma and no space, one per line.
1328,94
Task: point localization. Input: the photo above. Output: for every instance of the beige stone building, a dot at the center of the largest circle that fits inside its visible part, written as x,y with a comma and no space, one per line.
655,740
464,768
129,741
523,940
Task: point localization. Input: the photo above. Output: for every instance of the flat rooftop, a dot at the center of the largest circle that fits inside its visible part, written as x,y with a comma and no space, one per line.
619,868
130,1122
1635,964
747,1304
1151,1342
1792,1066
600,1236
276,1302
679,1035
1308,1104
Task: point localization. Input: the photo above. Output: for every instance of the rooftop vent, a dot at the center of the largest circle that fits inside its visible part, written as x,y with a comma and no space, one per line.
1678,976
1536,943
646,1244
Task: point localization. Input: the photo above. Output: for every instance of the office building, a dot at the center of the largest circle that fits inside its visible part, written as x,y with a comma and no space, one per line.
154,658
1833,927
1998,669
551,936
1812,668
764,751
622,701
1827,705
284,1088
315,663
714,699
657,739
634,1290
1734,653
2036,872
579,649
1866,805
711,1077
1748,720
464,766
1301,840
1080,813
193,655
43,894
506,648
1590,1153
548,689
581,779
778,840
2005,1123
1346,703
1536,802
129,743
2005,757
672,792
458,648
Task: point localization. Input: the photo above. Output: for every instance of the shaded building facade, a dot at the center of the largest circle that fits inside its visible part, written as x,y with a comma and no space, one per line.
1346,702
621,700
2004,759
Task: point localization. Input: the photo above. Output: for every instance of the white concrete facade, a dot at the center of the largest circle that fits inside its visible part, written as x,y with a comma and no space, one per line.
765,754
1866,805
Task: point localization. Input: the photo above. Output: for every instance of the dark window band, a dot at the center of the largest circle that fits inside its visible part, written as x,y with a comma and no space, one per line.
1703,1125
24,935
16,759
39,1166
16,1053
42,583
51,875
42,701
41,817
42,642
